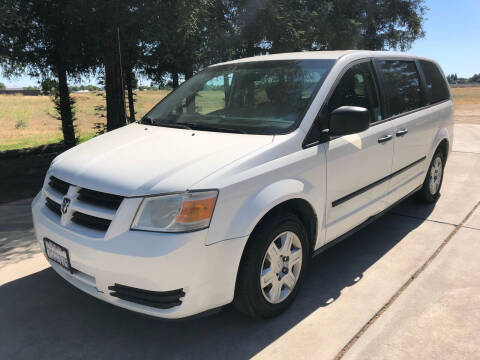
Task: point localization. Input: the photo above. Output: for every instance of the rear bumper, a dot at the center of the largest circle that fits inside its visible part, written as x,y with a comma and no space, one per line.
155,262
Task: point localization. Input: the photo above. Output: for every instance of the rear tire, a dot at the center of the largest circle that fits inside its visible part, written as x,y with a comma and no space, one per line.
430,191
273,266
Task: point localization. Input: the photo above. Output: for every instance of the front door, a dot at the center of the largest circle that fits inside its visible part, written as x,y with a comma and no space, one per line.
358,165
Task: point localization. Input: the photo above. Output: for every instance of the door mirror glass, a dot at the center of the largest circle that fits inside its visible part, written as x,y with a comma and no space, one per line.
347,120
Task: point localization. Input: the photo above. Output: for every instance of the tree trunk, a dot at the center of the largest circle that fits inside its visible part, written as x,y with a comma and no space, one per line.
115,95
131,101
250,48
65,105
175,80
371,40
189,72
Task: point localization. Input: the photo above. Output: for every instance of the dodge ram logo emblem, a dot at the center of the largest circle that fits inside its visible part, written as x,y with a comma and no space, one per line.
65,204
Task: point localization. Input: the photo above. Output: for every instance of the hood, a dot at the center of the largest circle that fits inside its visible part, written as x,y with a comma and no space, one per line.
144,160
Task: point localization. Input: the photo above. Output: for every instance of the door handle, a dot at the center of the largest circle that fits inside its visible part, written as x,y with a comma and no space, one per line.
385,138
401,132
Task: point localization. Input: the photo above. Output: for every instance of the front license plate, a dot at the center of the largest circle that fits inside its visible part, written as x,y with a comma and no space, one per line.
57,253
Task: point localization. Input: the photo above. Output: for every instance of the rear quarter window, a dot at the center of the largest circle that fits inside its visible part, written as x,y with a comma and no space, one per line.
402,85
437,88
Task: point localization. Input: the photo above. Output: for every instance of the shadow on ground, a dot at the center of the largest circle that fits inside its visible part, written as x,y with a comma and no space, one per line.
22,177
17,237
45,317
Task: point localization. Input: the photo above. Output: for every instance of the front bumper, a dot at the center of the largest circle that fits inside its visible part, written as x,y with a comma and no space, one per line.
144,260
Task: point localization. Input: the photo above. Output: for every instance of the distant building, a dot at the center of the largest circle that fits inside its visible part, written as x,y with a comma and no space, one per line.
21,91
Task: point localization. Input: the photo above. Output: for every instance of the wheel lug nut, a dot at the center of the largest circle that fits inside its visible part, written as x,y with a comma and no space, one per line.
285,270
285,258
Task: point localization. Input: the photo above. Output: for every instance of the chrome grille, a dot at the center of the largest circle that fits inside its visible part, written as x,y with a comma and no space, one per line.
88,208
59,185
90,221
100,198
52,205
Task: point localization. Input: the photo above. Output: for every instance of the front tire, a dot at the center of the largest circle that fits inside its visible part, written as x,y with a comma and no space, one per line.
430,191
273,267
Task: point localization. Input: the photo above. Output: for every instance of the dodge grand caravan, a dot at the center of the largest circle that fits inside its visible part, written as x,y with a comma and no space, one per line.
226,188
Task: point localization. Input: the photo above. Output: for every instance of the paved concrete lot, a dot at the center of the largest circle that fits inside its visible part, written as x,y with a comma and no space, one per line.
406,286
438,316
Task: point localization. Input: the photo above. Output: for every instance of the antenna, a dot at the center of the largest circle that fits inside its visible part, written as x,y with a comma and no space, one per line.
121,74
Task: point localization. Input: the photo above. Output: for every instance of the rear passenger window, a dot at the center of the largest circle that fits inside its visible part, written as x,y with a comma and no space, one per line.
357,88
437,88
402,85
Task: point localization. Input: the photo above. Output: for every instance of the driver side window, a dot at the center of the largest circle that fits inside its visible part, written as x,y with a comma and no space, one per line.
357,88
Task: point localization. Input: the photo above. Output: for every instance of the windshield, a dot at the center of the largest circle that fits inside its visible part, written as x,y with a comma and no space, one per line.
263,97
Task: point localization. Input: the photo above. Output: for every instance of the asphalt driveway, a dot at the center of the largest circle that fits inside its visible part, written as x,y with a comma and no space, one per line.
407,286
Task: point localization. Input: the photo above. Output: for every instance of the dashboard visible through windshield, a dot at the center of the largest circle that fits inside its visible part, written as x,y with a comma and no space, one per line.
262,97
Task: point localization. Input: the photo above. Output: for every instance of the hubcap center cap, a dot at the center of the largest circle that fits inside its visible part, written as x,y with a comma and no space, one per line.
283,264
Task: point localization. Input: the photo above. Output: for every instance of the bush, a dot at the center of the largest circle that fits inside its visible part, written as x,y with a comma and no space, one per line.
49,86
21,124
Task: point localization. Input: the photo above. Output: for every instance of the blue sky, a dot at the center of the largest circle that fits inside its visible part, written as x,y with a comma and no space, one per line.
452,38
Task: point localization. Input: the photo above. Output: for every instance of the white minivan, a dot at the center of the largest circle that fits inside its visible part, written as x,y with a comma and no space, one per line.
227,188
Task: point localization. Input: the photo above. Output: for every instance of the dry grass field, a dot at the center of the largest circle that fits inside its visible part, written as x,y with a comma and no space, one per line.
27,121
467,104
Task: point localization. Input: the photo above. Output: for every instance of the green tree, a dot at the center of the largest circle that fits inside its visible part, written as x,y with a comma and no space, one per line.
475,78
290,25
175,37
167,40
49,86
45,39
219,40
2,86
272,26
392,24
117,33
105,20
131,83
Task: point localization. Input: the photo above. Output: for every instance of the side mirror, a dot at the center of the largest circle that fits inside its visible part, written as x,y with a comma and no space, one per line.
349,120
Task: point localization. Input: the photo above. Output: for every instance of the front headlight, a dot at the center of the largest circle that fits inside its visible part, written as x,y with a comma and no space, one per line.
177,212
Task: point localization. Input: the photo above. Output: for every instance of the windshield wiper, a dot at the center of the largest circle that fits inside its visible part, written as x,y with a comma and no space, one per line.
211,128
175,125
191,126
148,121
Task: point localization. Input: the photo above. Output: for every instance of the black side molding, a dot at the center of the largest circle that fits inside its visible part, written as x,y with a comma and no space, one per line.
362,225
378,182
